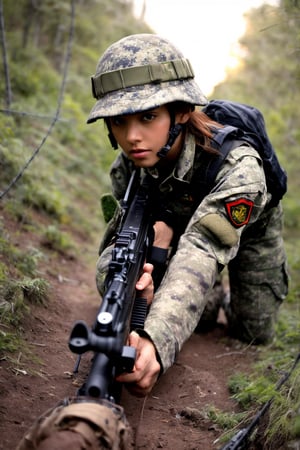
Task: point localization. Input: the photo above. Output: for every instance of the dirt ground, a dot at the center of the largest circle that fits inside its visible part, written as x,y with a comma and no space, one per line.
170,418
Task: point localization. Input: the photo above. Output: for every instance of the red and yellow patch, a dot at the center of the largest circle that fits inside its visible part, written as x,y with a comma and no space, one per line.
239,211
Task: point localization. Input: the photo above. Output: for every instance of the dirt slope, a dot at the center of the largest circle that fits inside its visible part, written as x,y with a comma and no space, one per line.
169,418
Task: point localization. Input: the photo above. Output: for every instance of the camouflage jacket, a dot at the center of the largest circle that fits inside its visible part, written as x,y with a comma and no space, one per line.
208,240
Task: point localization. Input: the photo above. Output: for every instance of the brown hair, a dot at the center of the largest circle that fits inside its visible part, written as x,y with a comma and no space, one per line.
199,124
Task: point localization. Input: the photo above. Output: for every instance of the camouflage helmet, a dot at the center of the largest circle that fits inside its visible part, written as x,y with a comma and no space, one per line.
141,72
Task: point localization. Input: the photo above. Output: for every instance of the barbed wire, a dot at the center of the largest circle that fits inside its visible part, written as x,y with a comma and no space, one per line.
24,113
59,104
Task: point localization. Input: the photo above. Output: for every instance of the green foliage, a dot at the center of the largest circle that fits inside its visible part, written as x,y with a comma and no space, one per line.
10,160
20,262
9,342
226,421
237,384
284,414
253,390
12,306
35,290
15,299
73,150
44,200
18,288
56,240
268,77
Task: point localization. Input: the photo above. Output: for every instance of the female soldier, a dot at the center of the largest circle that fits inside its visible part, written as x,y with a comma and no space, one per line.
146,93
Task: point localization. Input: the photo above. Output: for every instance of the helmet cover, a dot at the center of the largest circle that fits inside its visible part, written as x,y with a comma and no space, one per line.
142,72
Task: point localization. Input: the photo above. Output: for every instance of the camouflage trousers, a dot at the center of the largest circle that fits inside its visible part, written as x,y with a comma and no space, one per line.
258,283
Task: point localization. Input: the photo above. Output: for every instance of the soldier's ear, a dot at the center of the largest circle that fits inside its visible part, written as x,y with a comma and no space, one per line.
183,112
182,117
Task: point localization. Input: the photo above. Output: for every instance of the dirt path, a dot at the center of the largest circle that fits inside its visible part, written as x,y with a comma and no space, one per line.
170,418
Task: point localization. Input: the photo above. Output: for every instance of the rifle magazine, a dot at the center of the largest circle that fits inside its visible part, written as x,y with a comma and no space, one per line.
139,314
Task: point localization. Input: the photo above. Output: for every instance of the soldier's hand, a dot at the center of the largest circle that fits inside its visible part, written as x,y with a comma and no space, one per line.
145,284
146,369
163,235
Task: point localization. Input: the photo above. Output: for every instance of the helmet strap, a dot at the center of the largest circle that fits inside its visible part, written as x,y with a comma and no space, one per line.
113,141
174,132
110,135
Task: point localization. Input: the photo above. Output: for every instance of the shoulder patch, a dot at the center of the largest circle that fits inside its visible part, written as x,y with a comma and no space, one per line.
221,229
239,211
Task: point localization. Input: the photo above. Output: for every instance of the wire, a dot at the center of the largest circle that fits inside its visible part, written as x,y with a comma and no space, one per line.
24,113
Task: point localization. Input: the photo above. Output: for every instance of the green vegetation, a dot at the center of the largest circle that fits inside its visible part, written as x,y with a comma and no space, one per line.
268,77
57,240
69,175
69,162
226,421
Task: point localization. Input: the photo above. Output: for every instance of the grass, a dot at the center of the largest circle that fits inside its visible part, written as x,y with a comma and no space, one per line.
251,391
254,390
56,240
20,287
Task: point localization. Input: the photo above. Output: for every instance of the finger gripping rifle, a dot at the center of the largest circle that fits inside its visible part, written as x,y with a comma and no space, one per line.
240,440
120,310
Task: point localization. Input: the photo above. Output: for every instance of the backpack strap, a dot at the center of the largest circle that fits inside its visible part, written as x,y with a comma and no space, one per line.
207,165
251,122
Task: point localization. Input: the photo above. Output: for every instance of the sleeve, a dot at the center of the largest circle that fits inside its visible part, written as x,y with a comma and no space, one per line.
209,242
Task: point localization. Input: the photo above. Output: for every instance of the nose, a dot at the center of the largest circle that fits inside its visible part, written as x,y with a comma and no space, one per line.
133,132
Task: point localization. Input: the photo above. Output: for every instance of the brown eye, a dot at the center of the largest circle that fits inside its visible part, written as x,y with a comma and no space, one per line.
148,117
116,121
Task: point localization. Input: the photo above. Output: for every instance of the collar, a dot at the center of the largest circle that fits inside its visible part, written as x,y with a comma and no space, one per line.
182,169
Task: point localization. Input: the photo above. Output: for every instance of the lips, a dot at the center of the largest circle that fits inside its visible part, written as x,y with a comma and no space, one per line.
139,153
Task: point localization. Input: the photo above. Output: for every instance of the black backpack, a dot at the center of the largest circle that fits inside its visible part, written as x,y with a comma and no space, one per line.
242,123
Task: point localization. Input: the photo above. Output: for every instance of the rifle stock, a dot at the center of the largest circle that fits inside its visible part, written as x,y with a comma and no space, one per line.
120,310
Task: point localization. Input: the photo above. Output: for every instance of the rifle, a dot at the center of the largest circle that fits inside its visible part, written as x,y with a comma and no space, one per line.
240,440
120,310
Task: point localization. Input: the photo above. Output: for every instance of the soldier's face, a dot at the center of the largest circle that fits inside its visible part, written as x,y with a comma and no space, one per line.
142,135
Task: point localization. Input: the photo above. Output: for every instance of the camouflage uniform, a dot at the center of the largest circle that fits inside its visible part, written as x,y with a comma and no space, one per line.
77,424
254,254
233,225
